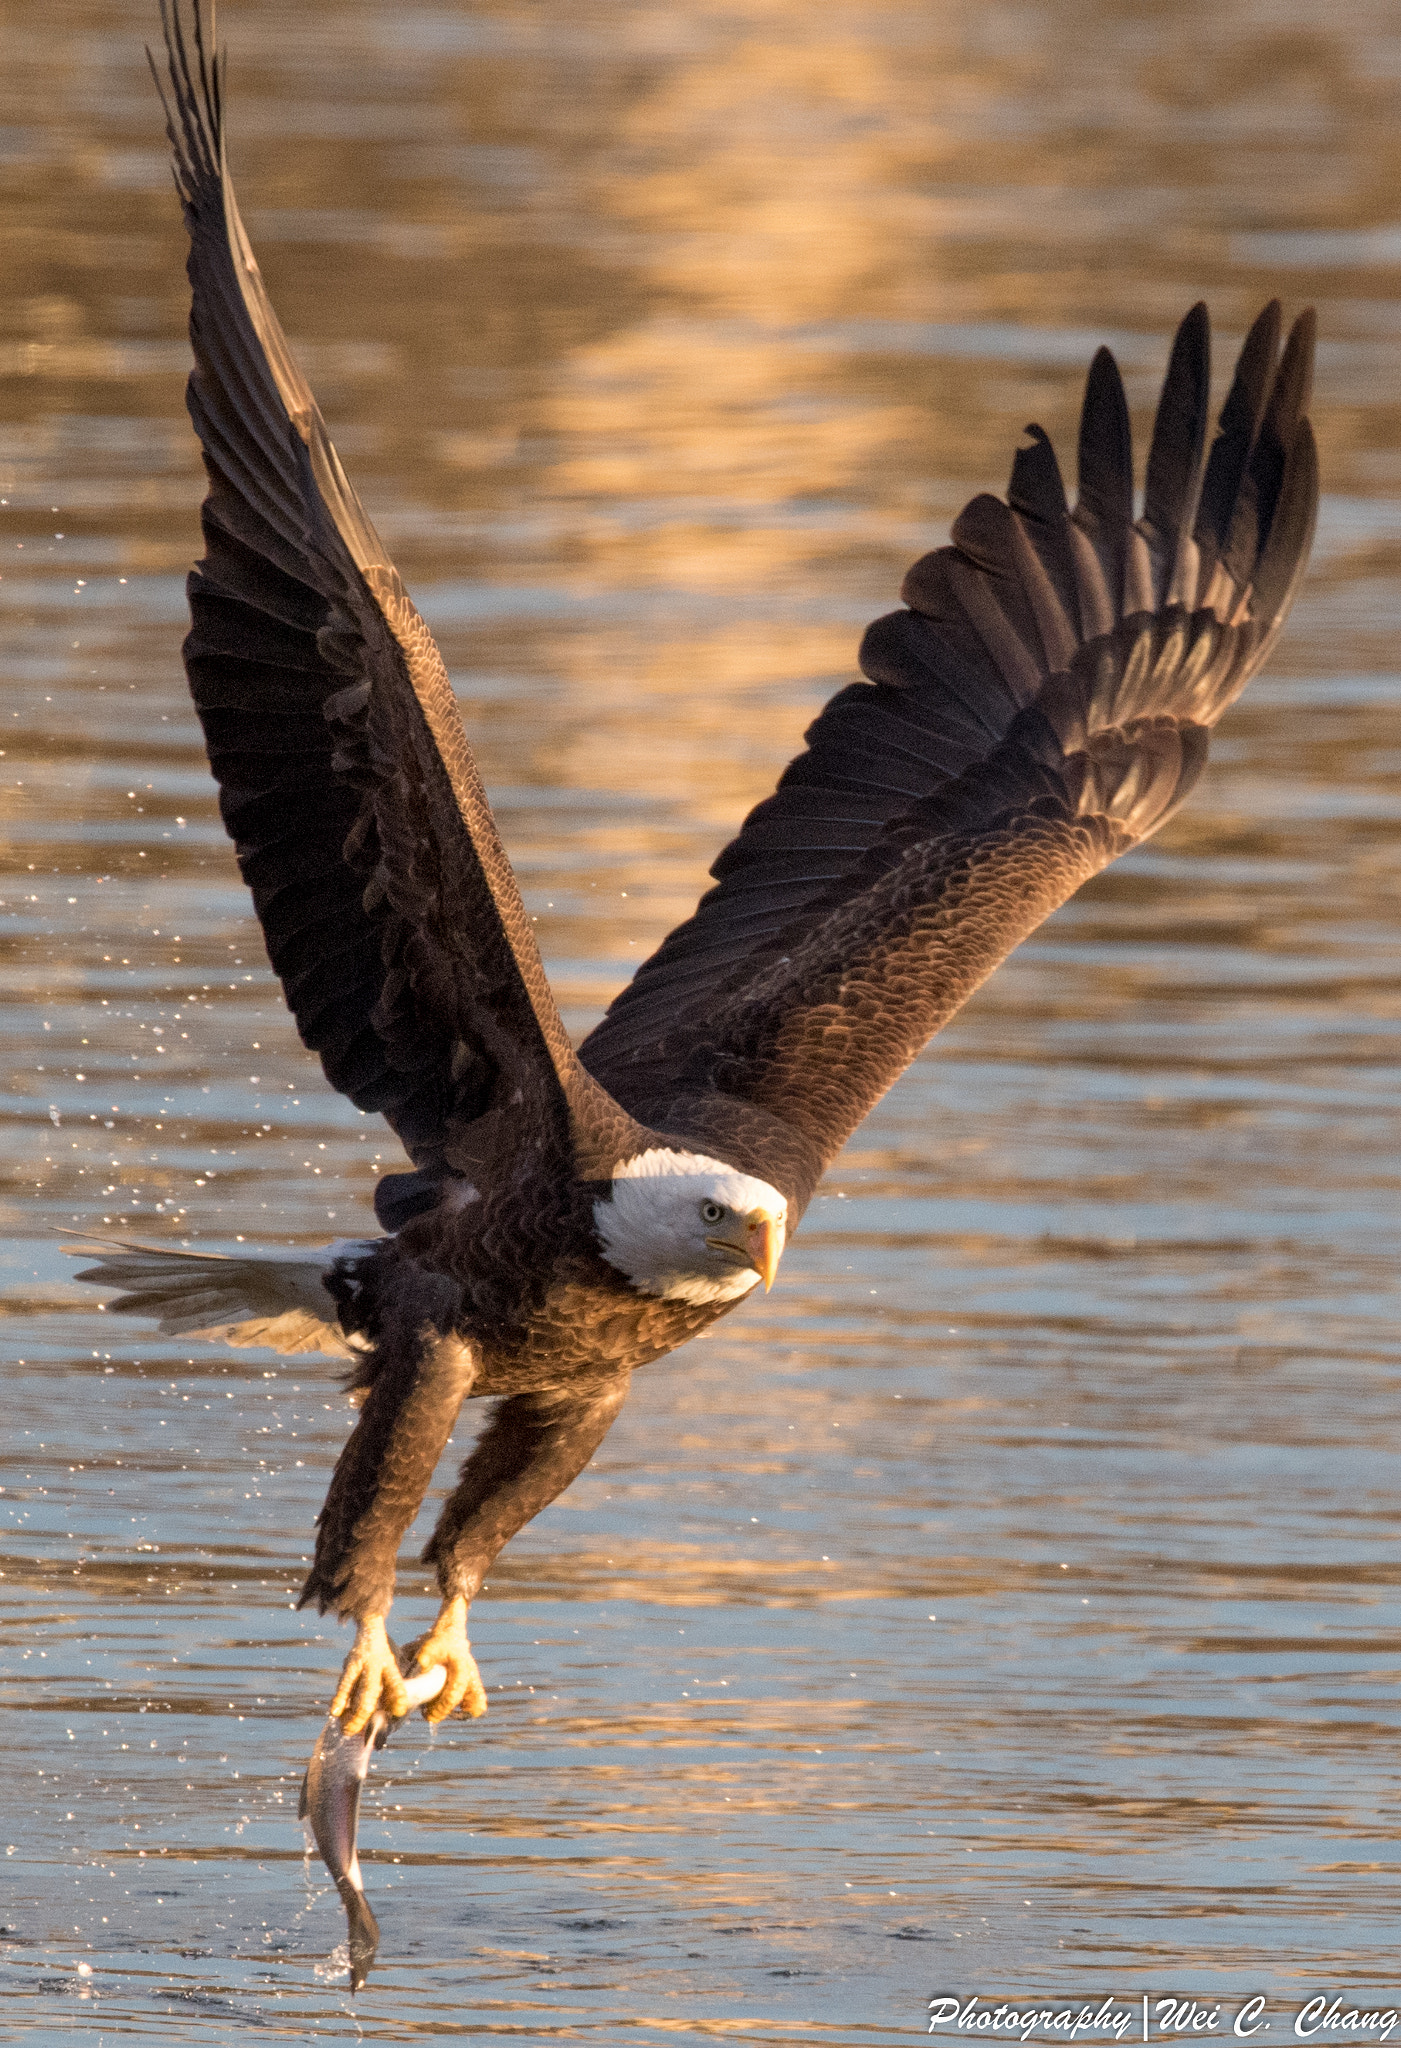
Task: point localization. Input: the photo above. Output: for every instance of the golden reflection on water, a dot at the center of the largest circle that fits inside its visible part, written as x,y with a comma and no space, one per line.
1007,1604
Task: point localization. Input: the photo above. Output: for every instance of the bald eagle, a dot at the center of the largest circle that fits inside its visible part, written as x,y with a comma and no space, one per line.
1040,704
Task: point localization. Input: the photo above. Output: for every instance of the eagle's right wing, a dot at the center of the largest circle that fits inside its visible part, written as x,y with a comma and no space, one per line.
1042,706
386,900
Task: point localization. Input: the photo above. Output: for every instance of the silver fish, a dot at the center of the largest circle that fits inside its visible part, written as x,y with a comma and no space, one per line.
330,1804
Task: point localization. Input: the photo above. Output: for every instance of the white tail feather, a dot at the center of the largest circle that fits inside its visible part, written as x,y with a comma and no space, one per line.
276,1299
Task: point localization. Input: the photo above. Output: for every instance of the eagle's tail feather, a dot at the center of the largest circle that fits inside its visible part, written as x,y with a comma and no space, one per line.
273,1299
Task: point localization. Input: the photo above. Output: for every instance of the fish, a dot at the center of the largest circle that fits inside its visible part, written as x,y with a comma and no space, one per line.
330,1806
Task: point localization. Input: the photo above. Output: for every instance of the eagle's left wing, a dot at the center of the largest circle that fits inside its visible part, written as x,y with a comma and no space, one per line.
1041,707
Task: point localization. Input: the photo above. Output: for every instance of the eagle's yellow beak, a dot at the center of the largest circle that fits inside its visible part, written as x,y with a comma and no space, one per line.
763,1241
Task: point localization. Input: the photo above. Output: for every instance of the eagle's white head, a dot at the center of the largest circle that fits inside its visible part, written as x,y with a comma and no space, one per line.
688,1228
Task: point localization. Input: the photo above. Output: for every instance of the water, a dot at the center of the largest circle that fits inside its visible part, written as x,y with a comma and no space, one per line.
1007,1605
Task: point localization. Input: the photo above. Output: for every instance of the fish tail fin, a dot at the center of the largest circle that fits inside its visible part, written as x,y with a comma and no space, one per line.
363,1930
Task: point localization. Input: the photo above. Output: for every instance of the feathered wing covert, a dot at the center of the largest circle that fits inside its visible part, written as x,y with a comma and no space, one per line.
1041,706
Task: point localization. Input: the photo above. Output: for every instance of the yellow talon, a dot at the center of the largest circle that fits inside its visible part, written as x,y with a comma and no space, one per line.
446,1644
369,1680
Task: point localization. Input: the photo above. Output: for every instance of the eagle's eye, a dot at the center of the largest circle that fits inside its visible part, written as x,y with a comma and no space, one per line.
711,1212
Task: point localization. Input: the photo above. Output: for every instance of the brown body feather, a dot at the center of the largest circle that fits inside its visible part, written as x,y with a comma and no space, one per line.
1041,705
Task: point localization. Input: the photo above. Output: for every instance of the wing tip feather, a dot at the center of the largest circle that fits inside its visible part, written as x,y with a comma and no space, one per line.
1175,638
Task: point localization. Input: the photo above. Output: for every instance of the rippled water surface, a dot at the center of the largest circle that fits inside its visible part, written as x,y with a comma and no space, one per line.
1007,1604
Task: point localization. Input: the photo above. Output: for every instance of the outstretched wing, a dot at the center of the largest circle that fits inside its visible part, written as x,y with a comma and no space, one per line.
1041,706
387,903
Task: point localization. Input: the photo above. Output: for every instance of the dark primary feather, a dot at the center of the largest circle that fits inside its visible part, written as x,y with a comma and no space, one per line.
1042,705
1172,487
388,907
1240,422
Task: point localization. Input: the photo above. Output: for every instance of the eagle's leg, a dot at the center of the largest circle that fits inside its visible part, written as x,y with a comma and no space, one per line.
533,1446
416,1388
